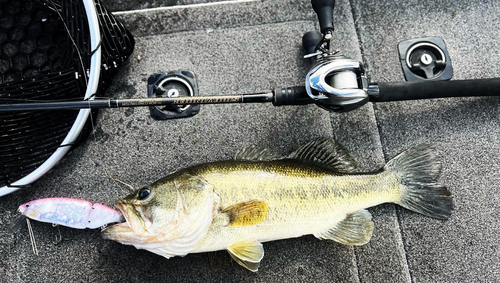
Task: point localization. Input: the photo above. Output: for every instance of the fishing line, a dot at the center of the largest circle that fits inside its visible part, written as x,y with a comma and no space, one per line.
32,237
73,41
98,46
118,180
93,95
91,116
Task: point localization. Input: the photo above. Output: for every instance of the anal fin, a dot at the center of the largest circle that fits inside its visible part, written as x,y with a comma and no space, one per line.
355,229
247,254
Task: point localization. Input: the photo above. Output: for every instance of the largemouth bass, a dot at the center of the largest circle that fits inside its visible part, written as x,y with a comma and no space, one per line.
236,205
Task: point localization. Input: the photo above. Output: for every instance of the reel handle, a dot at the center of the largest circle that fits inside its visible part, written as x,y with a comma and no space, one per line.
324,10
310,41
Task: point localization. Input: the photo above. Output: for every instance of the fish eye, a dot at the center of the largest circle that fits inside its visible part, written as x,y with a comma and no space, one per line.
143,193
28,205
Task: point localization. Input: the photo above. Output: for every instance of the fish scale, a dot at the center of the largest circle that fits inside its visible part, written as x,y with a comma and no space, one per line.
297,205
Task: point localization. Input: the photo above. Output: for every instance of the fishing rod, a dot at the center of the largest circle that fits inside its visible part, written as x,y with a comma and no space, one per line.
344,99
334,82
288,96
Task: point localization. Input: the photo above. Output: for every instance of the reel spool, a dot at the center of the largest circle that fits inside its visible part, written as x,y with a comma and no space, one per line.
337,84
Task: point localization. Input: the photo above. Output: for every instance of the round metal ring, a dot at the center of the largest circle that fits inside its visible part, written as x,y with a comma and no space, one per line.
423,44
183,81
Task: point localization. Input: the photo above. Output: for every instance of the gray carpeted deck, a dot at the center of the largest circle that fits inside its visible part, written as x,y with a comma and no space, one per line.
250,46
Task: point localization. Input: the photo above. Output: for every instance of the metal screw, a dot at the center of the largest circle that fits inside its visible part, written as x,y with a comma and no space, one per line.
173,93
426,59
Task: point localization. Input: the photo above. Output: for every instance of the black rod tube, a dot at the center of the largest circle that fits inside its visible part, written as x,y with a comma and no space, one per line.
433,89
324,10
296,95
115,103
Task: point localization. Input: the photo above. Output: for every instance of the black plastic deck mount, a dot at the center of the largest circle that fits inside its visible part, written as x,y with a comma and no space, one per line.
425,59
173,84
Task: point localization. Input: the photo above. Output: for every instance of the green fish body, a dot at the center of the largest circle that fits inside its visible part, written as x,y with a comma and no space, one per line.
258,197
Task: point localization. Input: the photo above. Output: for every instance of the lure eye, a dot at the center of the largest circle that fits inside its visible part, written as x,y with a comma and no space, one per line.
28,205
144,193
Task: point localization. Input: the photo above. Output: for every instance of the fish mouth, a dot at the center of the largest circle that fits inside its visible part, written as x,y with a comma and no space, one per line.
123,208
132,227
120,232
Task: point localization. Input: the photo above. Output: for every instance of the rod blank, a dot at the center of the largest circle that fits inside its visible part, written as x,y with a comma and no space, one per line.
116,103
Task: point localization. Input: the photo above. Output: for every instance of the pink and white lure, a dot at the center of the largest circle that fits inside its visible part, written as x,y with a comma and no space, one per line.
74,213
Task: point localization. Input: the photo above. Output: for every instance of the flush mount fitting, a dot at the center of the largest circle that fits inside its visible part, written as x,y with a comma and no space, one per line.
425,59
172,85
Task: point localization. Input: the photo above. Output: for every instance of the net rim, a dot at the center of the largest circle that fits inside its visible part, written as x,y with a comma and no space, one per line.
81,119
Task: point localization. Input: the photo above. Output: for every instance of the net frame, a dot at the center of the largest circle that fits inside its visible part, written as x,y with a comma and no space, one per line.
94,76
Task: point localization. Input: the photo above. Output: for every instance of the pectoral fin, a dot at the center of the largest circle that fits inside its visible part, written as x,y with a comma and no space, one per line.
355,229
247,254
246,213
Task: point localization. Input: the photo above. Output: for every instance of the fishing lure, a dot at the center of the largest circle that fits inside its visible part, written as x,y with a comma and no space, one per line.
69,212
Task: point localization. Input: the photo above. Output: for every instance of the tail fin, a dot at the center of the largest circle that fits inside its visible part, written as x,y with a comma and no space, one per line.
418,170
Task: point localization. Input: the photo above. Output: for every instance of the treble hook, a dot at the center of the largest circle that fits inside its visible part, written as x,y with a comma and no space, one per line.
58,236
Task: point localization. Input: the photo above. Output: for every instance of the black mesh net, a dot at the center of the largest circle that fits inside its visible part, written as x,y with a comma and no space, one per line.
45,55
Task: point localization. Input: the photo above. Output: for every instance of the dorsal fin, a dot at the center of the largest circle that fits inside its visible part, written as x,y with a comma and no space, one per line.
253,153
326,153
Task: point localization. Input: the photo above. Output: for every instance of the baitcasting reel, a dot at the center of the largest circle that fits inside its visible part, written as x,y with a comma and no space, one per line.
337,83
334,82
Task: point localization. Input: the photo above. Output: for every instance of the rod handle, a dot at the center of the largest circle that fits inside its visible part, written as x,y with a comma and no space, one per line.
396,91
296,95
324,10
